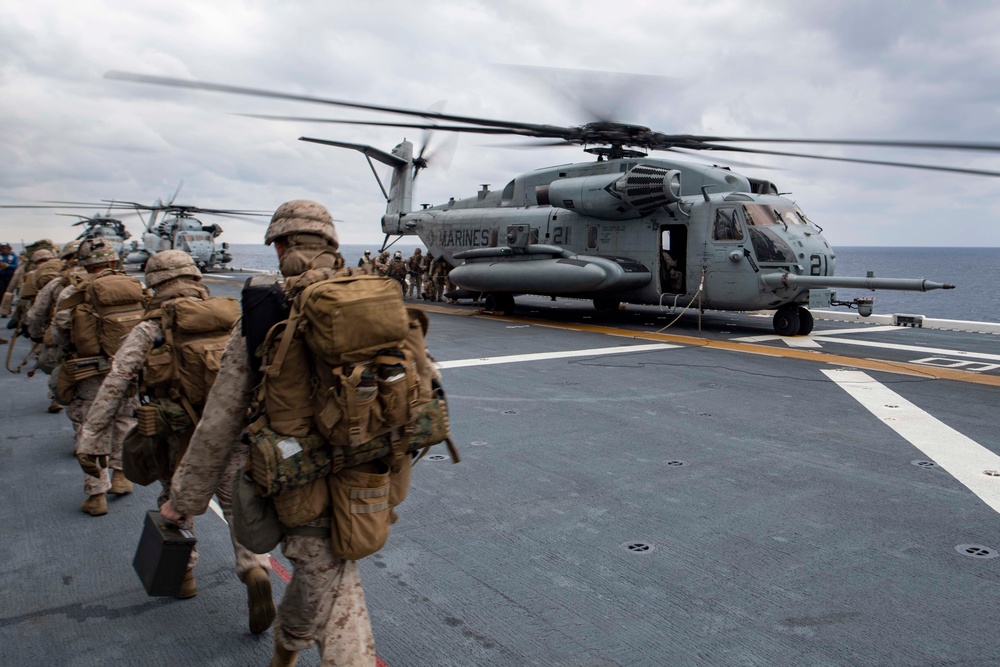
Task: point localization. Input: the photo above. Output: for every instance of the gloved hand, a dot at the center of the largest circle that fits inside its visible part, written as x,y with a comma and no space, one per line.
37,341
93,464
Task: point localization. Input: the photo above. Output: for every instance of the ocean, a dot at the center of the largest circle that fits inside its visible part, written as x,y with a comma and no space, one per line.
974,272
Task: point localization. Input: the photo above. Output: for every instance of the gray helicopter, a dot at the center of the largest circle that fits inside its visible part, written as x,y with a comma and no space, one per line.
104,227
626,228
180,230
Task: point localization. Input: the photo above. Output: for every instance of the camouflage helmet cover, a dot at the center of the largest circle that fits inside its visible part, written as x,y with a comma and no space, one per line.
301,216
93,252
170,264
42,255
69,250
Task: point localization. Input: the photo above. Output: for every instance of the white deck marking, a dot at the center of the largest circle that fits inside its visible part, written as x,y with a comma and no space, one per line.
801,341
562,354
914,348
961,456
826,332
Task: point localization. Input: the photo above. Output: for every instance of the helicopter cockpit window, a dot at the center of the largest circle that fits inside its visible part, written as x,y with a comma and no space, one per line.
727,225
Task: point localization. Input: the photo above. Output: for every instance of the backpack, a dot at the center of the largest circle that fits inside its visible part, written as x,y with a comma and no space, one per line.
184,367
110,305
346,393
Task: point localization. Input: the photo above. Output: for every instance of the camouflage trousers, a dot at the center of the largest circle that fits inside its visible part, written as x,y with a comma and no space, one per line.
85,393
176,445
324,602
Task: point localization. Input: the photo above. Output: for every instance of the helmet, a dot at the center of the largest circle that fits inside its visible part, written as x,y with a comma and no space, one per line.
69,250
397,255
417,251
96,251
170,264
301,216
42,255
368,252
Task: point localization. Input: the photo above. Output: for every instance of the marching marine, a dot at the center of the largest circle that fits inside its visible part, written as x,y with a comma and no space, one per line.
40,316
172,402
324,601
91,319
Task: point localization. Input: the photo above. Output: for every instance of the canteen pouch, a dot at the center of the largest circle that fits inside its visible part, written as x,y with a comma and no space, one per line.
359,500
142,459
255,521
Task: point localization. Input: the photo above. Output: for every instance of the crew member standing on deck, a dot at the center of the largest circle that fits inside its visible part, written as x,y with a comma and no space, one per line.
415,267
324,601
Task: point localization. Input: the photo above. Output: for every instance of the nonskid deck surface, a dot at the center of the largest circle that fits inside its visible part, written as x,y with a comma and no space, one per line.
625,498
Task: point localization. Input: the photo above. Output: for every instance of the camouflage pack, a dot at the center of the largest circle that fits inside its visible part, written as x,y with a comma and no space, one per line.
369,397
184,367
108,308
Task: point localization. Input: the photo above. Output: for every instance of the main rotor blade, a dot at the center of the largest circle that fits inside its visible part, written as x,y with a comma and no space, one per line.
883,163
416,126
713,158
932,145
257,92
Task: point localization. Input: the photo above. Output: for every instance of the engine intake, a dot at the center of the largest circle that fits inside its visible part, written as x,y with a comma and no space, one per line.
638,192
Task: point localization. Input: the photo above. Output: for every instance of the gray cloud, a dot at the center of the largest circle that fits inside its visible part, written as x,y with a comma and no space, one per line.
922,70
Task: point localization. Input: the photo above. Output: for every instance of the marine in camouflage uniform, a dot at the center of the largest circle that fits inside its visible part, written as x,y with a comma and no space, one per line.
40,316
415,268
397,270
95,255
324,601
172,274
428,286
382,263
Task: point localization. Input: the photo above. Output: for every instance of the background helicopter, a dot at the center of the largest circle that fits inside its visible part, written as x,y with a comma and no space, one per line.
180,230
626,228
98,225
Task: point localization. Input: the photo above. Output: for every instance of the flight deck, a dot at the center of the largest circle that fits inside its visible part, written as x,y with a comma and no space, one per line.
630,493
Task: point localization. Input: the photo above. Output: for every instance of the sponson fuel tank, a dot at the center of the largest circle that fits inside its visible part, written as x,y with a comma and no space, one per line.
524,270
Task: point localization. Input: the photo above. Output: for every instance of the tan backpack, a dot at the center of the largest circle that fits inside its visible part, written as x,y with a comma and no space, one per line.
195,333
112,303
347,392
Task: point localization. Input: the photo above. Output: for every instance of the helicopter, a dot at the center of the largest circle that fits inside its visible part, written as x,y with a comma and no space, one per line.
98,225
180,230
105,227
626,228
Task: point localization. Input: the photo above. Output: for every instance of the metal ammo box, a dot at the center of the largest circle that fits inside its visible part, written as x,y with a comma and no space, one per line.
162,557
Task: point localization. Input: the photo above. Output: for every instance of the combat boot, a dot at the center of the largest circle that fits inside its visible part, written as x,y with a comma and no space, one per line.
54,408
95,505
282,656
119,483
259,599
188,587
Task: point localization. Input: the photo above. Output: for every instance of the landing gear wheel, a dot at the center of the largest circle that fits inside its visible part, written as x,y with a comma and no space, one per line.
499,303
606,303
786,321
805,321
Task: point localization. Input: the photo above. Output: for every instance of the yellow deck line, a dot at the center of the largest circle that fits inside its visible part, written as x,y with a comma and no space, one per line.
816,356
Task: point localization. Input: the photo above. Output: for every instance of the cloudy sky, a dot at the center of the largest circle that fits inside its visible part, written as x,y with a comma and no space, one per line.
916,70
